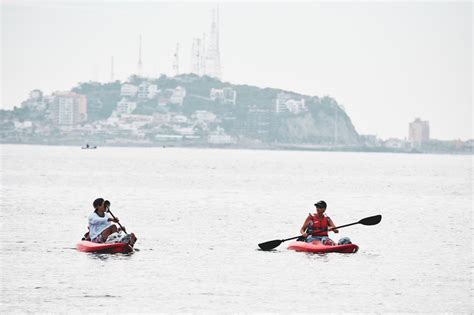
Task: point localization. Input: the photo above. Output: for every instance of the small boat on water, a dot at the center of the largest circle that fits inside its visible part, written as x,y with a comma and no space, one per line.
89,147
104,248
320,248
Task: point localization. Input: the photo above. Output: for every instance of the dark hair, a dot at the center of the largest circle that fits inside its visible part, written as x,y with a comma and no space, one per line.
321,204
97,202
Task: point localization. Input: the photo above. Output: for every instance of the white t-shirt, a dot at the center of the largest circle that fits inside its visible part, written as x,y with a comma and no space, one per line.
97,224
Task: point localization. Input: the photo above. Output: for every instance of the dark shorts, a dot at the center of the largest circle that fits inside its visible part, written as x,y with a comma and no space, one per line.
323,239
99,239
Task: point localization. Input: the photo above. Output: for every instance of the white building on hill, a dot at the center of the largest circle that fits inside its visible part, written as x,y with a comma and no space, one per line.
226,95
69,108
284,103
204,116
178,95
418,132
295,106
147,90
125,106
129,90
220,139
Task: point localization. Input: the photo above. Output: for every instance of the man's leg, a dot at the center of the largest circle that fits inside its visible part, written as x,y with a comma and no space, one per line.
133,239
111,229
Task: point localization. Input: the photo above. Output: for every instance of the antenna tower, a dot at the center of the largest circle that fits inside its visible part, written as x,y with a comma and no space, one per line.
140,64
176,60
112,69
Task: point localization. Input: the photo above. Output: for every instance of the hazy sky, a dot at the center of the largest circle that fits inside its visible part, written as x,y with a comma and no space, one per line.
387,63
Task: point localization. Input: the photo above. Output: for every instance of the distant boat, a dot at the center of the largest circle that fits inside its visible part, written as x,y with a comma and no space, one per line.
89,147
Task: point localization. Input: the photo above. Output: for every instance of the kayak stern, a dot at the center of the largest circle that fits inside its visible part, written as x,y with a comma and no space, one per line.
104,248
320,248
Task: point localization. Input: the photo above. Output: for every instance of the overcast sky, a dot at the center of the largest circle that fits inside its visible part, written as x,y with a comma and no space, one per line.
387,63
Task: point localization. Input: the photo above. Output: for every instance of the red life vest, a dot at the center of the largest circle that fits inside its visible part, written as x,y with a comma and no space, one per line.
318,225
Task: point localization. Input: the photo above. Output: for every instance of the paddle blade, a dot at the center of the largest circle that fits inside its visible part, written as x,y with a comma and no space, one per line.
371,220
270,244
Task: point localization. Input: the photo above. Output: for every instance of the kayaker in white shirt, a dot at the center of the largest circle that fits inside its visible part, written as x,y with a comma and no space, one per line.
100,226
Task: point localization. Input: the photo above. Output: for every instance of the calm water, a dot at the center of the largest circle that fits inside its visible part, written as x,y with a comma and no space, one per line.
199,215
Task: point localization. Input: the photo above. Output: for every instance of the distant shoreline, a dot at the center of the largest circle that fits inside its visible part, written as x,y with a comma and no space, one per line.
275,147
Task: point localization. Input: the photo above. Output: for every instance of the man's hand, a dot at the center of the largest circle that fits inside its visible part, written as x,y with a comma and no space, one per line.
116,220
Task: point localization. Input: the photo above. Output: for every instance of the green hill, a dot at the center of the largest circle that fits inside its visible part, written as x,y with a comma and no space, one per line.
252,116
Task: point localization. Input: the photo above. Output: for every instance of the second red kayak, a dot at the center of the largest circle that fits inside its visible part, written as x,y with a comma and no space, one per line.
104,248
320,248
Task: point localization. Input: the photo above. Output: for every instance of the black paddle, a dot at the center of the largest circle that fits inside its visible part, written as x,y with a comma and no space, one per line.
107,206
366,221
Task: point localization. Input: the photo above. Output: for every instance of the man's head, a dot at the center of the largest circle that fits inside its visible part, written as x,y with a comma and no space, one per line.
98,202
321,204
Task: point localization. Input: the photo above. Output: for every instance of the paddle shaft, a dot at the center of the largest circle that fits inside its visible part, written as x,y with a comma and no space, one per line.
334,228
337,227
113,217
366,221
291,238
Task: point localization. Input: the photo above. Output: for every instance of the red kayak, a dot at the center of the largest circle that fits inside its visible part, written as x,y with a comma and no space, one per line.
320,248
104,248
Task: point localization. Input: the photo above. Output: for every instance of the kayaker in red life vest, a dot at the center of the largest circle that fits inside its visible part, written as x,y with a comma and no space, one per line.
100,226
316,226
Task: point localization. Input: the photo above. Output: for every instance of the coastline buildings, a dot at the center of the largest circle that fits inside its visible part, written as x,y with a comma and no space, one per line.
125,106
259,123
204,116
147,91
178,95
226,95
36,101
117,115
418,132
284,103
128,90
143,91
171,96
69,108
